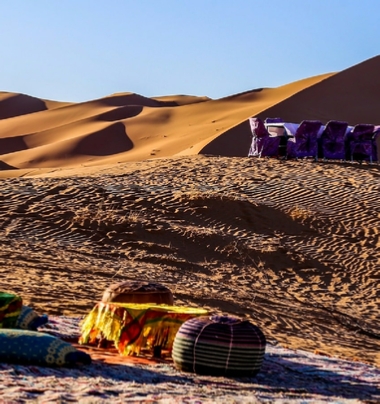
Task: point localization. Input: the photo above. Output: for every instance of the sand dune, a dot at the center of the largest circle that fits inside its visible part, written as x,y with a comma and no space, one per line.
159,127
33,132
351,95
131,187
13,104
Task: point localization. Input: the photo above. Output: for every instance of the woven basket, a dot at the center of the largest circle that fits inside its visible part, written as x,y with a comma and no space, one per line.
219,346
138,292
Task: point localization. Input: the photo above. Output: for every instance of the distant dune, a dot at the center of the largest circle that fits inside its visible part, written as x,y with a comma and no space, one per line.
351,95
36,133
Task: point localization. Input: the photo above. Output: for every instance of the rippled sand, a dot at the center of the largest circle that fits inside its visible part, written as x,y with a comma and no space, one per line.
293,246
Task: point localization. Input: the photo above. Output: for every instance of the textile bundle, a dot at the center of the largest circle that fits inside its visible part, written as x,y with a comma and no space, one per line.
133,327
10,309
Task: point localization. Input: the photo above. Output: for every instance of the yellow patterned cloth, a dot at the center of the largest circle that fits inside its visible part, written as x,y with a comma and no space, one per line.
133,327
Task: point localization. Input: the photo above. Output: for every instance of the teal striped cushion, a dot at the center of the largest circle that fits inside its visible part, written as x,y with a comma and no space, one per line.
30,320
36,348
219,345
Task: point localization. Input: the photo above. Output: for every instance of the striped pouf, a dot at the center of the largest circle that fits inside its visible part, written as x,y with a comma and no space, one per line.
219,346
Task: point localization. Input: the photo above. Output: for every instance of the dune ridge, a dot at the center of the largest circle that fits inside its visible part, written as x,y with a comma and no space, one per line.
351,95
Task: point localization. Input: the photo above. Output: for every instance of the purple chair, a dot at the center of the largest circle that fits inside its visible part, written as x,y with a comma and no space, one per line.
263,145
332,141
276,127
360,142
273,120
305,142
376,145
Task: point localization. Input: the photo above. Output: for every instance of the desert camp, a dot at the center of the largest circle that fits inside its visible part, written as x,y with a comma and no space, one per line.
150,245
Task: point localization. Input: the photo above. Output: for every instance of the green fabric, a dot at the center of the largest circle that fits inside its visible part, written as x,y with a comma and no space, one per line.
10,309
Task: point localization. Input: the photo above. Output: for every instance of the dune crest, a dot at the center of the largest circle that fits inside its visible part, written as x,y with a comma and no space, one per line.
351,95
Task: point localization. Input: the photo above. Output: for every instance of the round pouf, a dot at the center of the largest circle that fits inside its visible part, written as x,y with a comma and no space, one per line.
138,292
219,346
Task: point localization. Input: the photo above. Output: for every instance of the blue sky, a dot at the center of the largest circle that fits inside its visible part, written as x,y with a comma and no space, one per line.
81,50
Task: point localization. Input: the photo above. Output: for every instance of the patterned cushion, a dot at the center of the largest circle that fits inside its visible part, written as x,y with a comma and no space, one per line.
220,346
10,308
30,320
35,348
138,292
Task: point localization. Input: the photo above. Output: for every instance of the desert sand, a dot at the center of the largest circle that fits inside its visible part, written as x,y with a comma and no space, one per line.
160,189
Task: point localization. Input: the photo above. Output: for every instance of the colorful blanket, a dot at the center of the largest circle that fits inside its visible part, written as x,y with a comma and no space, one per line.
286,376
10,309
134,327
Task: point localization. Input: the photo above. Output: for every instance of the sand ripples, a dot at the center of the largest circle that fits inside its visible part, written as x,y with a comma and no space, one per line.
292,245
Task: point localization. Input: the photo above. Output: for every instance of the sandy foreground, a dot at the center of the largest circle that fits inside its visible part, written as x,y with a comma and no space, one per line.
160,189
292,246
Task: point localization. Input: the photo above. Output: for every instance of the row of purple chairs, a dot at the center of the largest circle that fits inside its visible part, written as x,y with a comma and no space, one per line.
336,140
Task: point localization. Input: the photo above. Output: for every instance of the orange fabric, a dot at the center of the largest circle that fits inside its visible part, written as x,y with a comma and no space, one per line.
112,356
